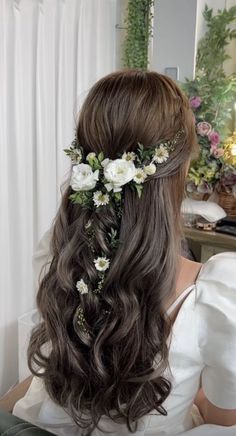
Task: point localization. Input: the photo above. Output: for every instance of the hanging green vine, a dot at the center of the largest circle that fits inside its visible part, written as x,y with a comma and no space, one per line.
139,32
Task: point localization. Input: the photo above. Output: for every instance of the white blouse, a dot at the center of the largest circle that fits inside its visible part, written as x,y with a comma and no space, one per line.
202,353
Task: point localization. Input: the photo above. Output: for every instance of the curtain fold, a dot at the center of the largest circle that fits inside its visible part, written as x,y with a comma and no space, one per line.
51,52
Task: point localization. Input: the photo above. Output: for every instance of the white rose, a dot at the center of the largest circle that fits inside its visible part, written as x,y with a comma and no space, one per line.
118,172
83,178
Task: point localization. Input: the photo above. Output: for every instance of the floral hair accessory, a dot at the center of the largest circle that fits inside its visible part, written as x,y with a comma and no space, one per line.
82,287
98,182
100,199
83,178
101,263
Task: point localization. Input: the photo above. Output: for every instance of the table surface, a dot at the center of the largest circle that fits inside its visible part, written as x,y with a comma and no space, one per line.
205,237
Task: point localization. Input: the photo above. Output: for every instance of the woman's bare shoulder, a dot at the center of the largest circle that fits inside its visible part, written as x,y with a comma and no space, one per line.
187,274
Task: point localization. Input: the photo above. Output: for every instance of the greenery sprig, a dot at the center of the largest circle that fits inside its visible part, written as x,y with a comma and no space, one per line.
139,32
211,53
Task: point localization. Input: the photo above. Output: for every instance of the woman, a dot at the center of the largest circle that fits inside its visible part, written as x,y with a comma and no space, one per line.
131,331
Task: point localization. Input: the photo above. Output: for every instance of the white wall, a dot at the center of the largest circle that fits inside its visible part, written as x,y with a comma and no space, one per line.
175,36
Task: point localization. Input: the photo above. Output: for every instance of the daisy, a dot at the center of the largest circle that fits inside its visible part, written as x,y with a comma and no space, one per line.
129,156
101,263
140,176
100,199
82,287
161,154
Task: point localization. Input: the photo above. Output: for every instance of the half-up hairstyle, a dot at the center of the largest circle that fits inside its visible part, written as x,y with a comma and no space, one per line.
117,366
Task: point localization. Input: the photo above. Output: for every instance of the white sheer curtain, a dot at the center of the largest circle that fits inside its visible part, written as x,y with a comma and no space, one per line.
51,52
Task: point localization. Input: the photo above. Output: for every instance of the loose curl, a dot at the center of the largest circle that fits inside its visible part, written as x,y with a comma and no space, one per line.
118,367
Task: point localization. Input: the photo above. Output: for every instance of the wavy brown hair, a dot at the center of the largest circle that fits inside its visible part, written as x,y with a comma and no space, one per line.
118,367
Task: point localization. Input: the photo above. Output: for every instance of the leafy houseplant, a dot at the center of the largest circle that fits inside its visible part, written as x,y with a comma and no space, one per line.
139,31
211,95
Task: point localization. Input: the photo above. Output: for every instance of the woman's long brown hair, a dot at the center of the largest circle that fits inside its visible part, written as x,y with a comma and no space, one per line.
118,368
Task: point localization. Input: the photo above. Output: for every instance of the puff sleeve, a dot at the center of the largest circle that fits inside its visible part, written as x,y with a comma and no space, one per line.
216,309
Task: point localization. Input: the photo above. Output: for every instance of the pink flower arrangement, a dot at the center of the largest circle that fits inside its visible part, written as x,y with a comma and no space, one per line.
204,128
195,102
214,137
209,168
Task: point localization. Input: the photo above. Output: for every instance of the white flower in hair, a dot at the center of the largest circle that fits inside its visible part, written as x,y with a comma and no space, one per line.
101,263
161,154
77,156
74,153
117,173
105,162
100,199
88,225
150,169
130,155
91,156
82,287
83,178
140,176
